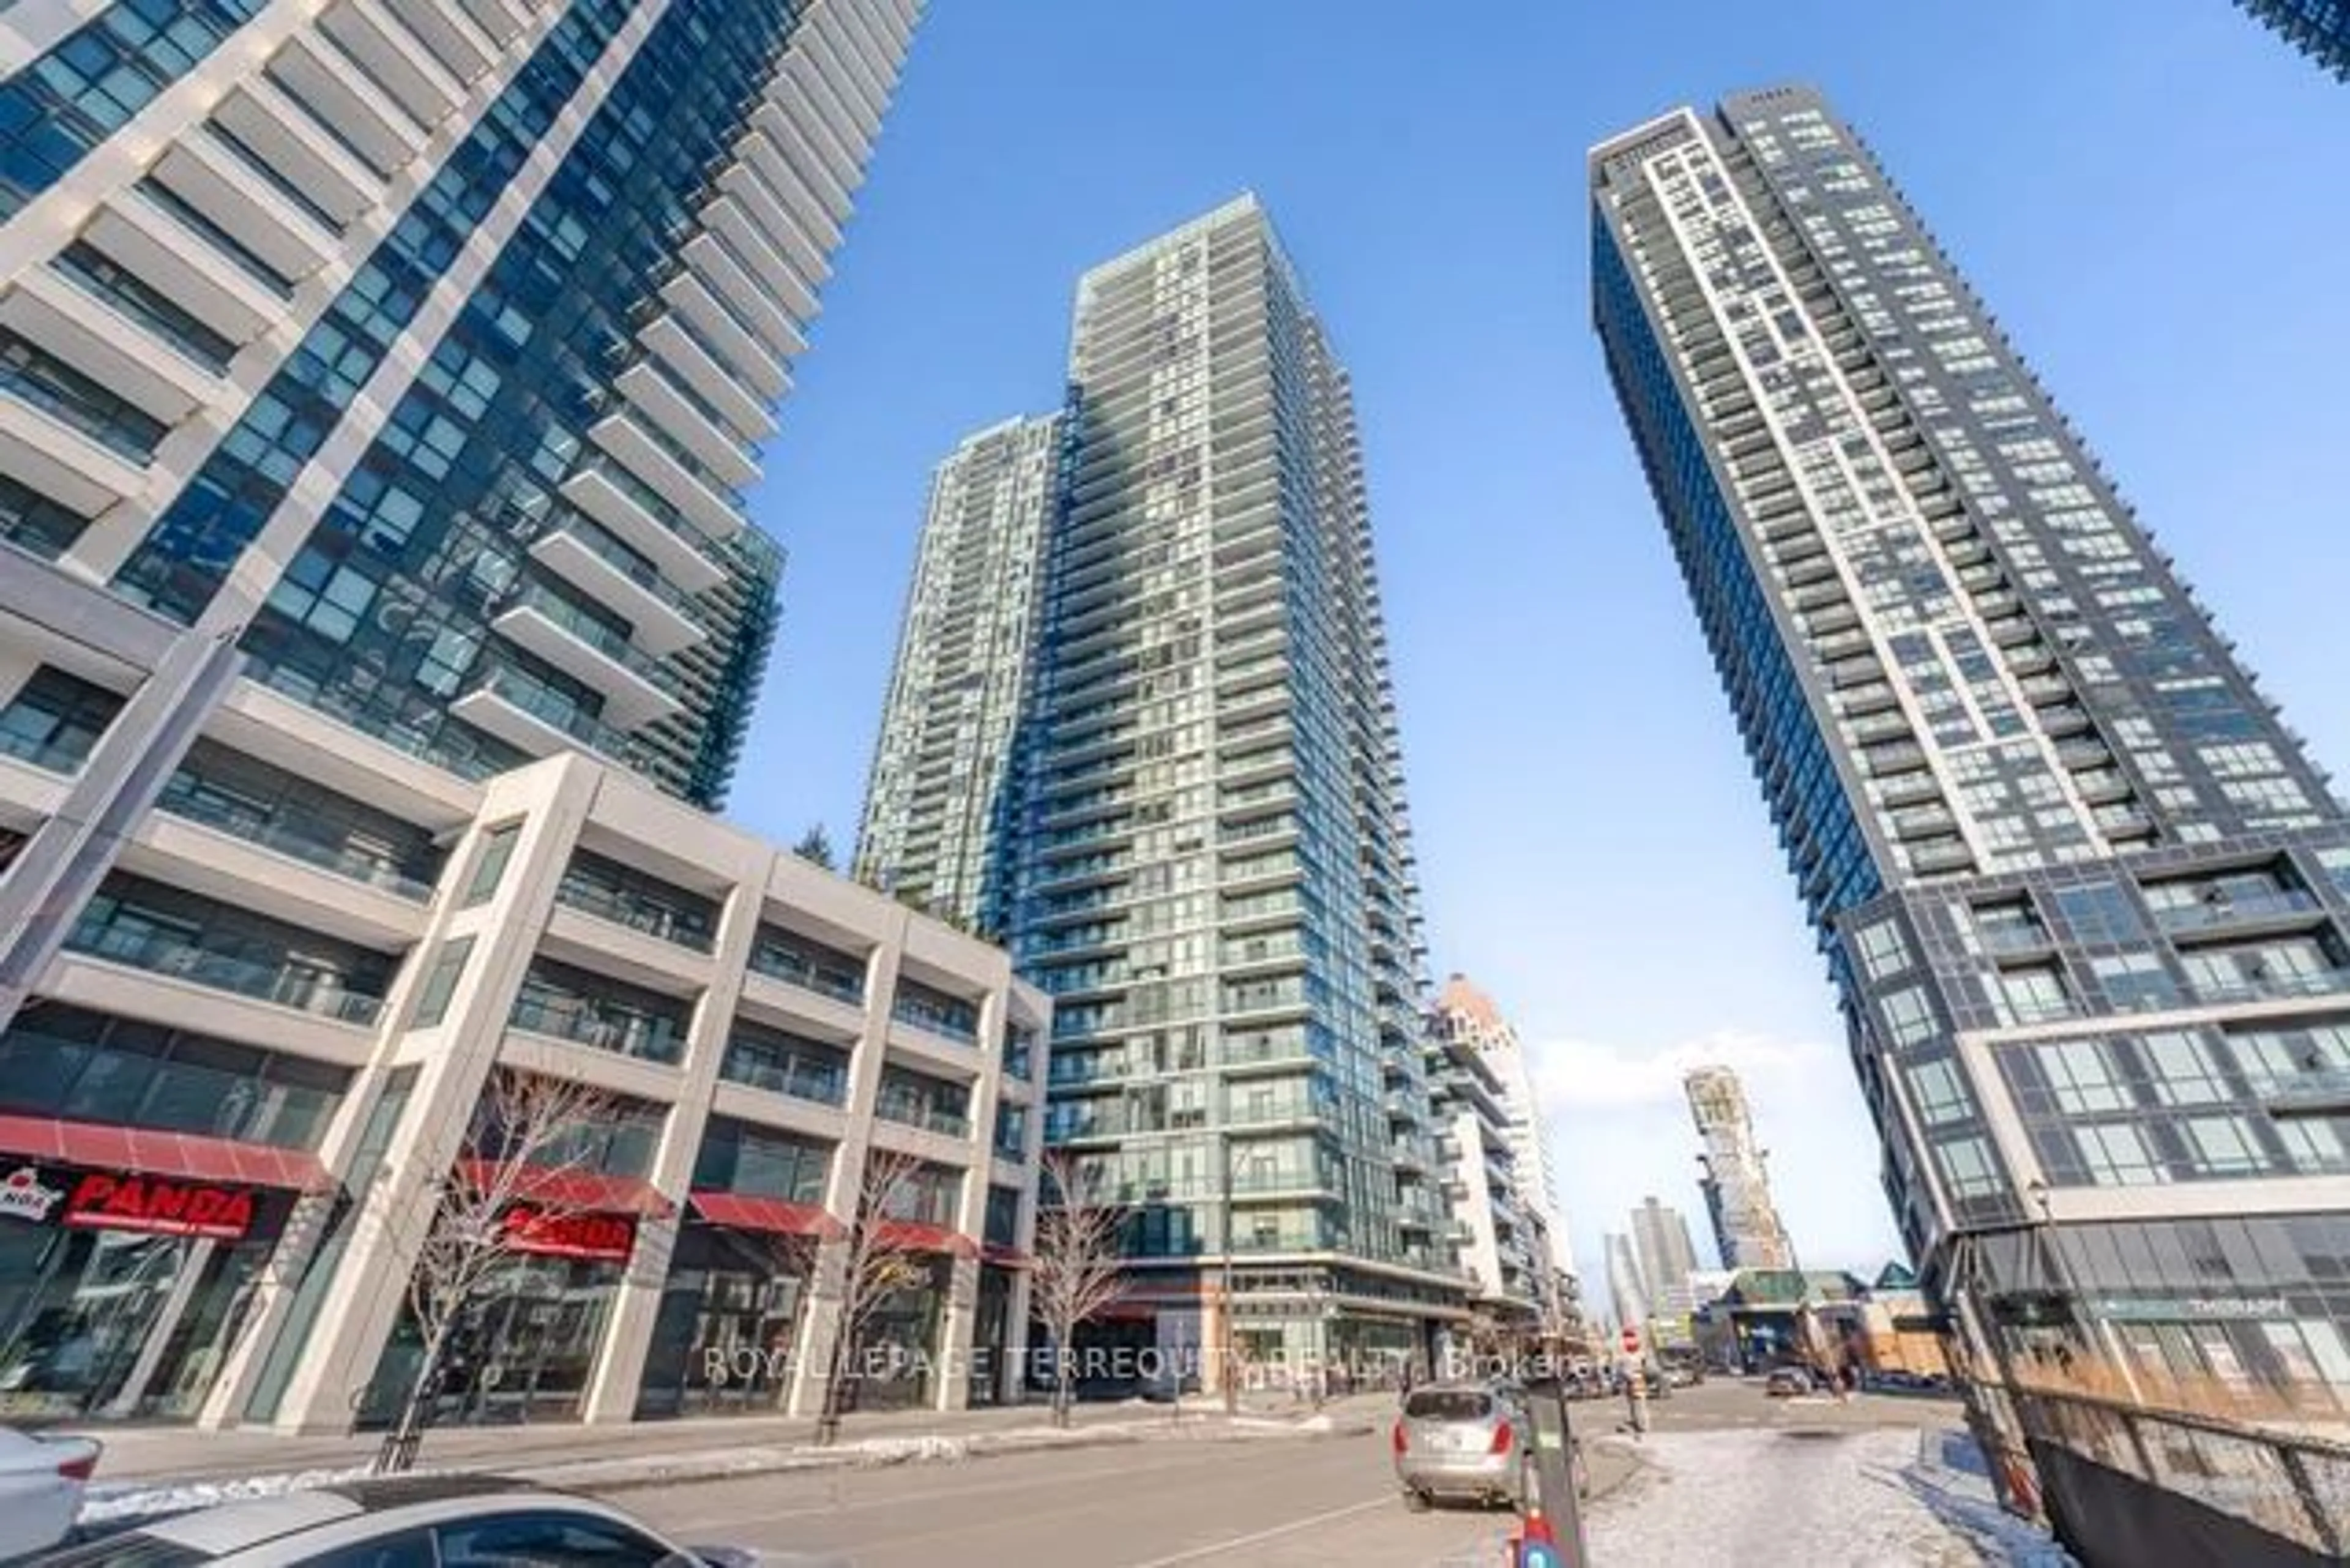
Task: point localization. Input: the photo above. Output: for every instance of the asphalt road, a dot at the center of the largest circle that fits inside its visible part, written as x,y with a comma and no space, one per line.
1285,1502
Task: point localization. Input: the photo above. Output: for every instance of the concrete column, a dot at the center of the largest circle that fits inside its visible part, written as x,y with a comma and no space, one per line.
453,1061
619,1372
820,1324
1011,1377
957,1320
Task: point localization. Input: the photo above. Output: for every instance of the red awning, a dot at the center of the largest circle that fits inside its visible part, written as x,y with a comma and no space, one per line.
774,1215
586,1190
1005,1257
913,1237
145,1151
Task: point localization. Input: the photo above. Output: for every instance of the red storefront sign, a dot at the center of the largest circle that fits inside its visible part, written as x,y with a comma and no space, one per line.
597,1238
158,1206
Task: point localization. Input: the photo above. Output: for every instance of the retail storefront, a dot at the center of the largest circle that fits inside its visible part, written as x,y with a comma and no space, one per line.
729,1324
526,1346
127,1263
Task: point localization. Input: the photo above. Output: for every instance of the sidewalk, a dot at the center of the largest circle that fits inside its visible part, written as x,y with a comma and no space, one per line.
180,1455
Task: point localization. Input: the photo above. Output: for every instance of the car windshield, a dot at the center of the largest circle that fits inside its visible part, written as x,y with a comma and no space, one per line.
1448,1405
133,1549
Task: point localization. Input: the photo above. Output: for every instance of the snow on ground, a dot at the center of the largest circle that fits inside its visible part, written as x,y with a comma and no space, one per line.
1840,1499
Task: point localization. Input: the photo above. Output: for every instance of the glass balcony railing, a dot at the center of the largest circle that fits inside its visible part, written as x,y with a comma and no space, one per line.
2252,988
557,709
184,798
944,1017
50,756
2236,907
802,1077
604,639
794,967
587,1021
600,543
2324,1092
285,985
930,1118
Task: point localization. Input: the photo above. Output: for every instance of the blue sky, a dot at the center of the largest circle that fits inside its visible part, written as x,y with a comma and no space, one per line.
2146,191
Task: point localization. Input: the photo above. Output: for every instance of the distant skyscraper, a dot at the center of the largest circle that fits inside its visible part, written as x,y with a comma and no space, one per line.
1502,1239
1212,871
1746,1225
2086,896
1667,1256
2318,28
1470,1013
1628,1292
963,655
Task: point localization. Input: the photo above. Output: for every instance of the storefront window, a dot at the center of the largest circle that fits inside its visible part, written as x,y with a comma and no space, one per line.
895,1363
120,1295
522,1350
729,1322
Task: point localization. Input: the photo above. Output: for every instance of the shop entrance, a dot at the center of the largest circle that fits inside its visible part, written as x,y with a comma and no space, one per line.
728,1325
114,1303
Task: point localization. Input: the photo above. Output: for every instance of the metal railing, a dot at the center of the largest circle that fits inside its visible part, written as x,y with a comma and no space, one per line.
284,985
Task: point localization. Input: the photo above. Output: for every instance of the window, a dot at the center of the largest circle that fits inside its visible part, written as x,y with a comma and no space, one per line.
56,719
1969,1167
2182,1070
2032,992
2223,1146
1941,1097
2116,1155
1883,953
2135,982
413,1550
2081,1078
432,1002
1907,1019
2008,926
546,1539
497,848
2101,912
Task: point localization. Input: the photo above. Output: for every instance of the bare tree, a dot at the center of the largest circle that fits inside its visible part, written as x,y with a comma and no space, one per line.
1077,1265
503,1194
880,1259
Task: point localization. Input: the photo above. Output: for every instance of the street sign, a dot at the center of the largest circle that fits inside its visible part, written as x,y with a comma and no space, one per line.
1631,1342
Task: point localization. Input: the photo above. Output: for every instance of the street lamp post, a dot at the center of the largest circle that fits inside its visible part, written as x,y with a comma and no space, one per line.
1229,1348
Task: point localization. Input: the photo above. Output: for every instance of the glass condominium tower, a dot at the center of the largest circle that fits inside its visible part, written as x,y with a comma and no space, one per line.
1210,866
933,803
2086,898
425,347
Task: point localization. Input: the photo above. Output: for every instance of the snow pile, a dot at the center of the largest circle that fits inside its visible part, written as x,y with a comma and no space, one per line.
1822,1497
928,1447
128,1501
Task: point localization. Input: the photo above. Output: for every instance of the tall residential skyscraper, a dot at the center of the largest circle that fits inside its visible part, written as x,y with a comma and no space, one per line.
1667,1256
1628,1292
1746,1227
426,348
2318,28
941,759
1213,868
2085,898
379,380
1468,1012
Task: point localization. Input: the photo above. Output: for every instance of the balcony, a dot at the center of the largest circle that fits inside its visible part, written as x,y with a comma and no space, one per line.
688,418
697,358
2322,1092
912,1100
2237,909
565,1003
611,891
935,1012
187,798
394,57
126,355
583,554
641,520
535,718
272,225
786,1065
669,471
590,651
809,965
366,117
284,984
264,118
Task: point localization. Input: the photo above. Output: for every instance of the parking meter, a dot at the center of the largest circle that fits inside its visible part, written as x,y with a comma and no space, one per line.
1553,1536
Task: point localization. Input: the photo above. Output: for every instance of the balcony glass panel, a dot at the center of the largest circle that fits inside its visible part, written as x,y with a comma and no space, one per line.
625,896
786,1064
915,1099
265,805
809,964
935,1012
166,931
55,719
571,1004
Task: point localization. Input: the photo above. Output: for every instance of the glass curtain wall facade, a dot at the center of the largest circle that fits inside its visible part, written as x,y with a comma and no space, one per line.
2081,889
427,349
1210,863
933,804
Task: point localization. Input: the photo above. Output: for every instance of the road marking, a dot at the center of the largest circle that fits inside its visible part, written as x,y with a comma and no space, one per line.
1258,1537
